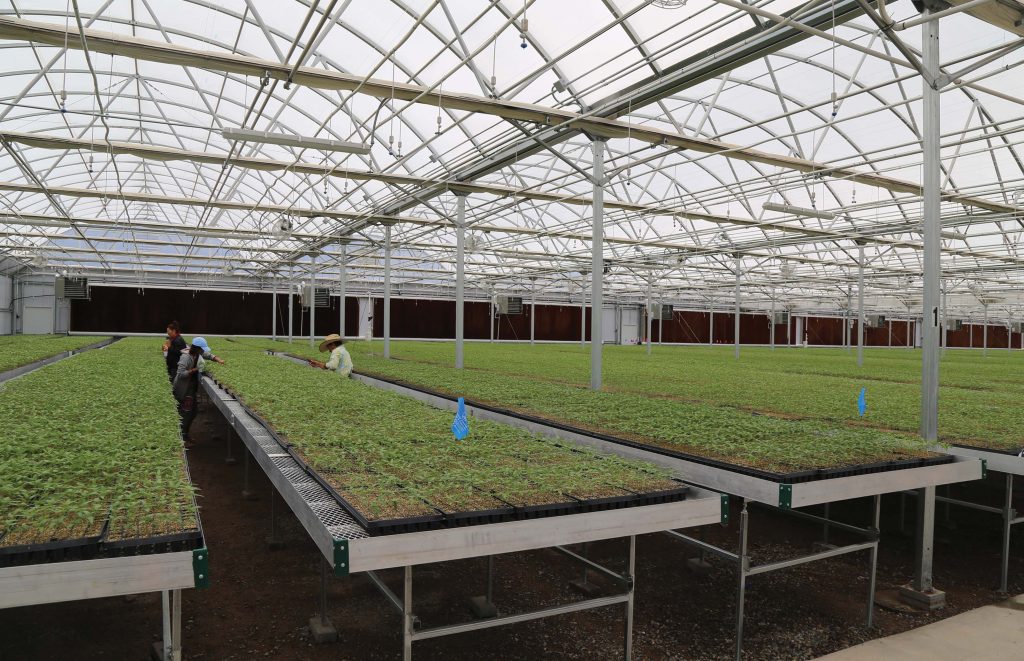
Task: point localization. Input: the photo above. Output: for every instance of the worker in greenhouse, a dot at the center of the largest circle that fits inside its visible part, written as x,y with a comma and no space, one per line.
173,346
207,354
186,385
339,361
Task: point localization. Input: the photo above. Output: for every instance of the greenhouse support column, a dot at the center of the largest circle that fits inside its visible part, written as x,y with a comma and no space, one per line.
490,308
847,335
291,303
533,313
387,290
711,324
661,323
945,320
312,305
921,592
736,324
583,312
597,268
771,326
460,277
860,304
984,334
273,313
342,287
648,318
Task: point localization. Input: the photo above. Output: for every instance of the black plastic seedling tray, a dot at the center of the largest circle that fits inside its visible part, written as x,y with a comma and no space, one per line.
788,478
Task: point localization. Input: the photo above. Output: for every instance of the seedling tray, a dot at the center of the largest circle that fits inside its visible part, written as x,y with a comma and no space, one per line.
1019,452
793,477
460,519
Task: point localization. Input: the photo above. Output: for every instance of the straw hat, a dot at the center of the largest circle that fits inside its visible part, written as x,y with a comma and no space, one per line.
333,337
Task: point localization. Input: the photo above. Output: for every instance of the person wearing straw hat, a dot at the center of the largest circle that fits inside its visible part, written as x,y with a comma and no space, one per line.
339,361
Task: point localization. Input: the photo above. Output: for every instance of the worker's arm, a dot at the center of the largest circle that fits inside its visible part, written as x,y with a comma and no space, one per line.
335,360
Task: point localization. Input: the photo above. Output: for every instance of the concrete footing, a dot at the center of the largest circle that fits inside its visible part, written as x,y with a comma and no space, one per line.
481,608
930,600
322,630
698,566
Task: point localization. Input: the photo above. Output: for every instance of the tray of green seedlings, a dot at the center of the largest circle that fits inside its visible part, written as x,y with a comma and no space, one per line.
91,460
20,350
764,446
394,464
978,406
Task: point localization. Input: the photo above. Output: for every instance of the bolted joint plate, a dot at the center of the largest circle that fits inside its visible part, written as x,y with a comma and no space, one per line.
984,468
785,496
201,567
341,564
725,508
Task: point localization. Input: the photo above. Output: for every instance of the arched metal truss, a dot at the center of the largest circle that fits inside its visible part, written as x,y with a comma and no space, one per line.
113,164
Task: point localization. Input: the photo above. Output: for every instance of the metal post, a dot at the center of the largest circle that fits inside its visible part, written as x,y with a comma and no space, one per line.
847,335
711,323
925,538
291,304
323,592
648,318
744,563
490,579
661,322
931,203
312,305
1008,516
490,307
736,324
860,304
771,324
460,277
984,333
533,312
945,320
583,312
175,625
597,269
876,523
273,313
387,291
165,602
631,587
342,286
407,616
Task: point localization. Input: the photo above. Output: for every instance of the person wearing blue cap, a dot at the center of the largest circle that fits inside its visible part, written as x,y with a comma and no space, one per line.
186,380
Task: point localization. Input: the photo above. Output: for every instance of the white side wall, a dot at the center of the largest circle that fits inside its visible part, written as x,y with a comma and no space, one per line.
36,309
6,305
629,324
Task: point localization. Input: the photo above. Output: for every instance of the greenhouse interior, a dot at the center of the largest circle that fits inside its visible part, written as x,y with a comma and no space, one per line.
511,329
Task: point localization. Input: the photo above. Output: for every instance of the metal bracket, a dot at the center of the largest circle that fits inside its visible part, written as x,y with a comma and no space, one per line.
725,508
341,564
785,496
201,567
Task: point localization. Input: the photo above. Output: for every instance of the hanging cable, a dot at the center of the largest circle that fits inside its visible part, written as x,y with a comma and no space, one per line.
64,74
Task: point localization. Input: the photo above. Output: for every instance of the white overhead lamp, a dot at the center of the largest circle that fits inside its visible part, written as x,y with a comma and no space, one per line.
283,139
798,211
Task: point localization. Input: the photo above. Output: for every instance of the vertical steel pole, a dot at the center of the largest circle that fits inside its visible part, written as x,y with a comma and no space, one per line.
847,334
945,320
387,291
165,602
533,313
407,617
273,313
291,303
597,268
460,277
736,324
583,311
1008,516
661,322
491,307
631,586
312,303
860,304
741,591
648,318
342,287
323,592
771,325
176,625
711,323
873,570
930,308
984,334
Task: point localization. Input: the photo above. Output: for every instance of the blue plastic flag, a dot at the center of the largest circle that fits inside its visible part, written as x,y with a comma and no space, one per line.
862,402
461,425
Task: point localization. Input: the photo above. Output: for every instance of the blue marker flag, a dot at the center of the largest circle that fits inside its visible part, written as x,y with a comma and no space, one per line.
461,425
862,402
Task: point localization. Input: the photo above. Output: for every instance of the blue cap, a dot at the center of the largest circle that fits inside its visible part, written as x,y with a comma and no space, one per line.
201,343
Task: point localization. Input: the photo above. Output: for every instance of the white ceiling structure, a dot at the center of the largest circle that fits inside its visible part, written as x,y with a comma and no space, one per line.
784,132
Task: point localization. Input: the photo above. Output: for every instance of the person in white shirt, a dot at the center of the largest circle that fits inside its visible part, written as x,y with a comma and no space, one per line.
339,361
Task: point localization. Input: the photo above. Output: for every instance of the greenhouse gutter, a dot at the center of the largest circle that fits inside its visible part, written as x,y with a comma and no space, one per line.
33,366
